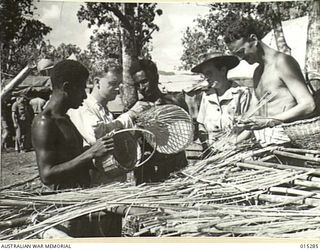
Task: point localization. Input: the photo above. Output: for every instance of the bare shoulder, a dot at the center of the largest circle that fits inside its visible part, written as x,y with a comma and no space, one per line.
43,126
286,61
289,67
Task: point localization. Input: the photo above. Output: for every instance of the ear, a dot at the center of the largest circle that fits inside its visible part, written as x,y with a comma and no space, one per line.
97,82
253,37
66,87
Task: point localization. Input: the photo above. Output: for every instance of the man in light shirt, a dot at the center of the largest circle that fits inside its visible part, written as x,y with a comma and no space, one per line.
222,99
94,120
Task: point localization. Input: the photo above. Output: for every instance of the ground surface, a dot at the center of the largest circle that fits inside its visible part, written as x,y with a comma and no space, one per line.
18,168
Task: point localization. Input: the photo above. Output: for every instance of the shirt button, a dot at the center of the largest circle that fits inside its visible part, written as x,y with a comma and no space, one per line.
216,126
218,109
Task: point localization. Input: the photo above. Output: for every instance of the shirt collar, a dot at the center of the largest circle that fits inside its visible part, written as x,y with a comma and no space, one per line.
228,95
94,103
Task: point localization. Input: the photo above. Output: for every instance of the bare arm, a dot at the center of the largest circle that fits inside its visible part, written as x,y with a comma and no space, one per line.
14,116
292,77
52,171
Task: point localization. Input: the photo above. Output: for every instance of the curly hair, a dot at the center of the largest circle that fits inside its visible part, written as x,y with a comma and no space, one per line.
150,69
68,71
241,29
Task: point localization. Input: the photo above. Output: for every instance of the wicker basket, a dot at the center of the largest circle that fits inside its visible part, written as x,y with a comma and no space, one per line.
305,133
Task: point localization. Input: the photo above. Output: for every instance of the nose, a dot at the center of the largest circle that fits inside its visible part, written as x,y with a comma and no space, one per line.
142,87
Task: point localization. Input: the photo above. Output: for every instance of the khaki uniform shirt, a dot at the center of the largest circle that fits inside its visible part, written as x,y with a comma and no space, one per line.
217,113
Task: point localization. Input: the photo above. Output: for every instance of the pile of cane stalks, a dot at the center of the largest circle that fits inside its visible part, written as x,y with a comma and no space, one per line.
269,192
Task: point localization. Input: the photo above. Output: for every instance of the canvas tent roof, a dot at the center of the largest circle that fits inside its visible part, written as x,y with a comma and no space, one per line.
32,85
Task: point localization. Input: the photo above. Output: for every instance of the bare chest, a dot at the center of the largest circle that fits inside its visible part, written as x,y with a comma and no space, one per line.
70,141
267,80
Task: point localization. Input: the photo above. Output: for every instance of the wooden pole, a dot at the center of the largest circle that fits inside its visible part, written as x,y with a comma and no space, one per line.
287,199
301,151
283,166
297,156
16,81
305,183
284,190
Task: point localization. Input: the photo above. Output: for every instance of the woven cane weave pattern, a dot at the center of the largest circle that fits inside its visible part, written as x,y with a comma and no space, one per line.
305,134
171,125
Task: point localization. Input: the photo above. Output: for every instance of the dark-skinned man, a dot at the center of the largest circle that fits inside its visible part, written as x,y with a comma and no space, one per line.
62,161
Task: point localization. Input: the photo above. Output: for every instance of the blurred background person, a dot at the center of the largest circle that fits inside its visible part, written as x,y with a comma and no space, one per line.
22,115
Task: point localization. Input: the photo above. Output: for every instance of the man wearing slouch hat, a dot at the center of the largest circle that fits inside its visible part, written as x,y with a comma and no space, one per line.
222,99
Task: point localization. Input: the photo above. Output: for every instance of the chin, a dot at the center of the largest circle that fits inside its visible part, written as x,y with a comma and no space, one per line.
250,61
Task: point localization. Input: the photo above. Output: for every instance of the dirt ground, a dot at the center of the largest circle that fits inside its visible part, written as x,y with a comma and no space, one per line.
19,168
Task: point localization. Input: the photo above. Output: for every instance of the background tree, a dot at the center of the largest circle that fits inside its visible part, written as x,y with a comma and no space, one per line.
266,15
136,29
105,44
313,43
20,35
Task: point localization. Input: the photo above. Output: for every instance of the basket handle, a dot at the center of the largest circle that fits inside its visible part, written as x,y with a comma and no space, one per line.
153,146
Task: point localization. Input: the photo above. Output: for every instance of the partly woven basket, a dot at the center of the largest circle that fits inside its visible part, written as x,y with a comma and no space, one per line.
171,125
305,133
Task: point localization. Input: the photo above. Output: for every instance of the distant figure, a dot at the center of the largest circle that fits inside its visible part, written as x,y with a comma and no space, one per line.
159,167
5,116
37,105
22,116
278,74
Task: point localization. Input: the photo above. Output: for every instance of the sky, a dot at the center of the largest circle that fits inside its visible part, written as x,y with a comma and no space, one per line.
167,46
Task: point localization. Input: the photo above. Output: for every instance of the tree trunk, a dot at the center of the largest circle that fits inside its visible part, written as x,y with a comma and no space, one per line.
313,41
128,92
278,30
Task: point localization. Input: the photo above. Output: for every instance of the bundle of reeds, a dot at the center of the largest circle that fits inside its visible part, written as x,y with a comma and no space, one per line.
235,196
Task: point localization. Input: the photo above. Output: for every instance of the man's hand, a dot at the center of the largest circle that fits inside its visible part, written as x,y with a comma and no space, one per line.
257,122
102,147
139,107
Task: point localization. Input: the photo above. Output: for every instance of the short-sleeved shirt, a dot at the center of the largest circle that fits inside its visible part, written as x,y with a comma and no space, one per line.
217,113
21,110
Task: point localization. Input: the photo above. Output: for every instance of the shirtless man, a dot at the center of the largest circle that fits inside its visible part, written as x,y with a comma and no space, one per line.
278,74
61,158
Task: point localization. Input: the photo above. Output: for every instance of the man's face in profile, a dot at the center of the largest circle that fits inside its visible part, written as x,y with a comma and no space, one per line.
244,49
108,85
77,94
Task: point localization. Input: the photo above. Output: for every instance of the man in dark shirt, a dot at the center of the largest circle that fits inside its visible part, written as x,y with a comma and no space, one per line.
159,167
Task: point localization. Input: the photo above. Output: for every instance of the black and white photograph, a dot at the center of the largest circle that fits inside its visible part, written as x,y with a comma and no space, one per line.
160,120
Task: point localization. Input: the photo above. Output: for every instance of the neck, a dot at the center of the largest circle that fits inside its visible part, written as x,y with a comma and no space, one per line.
96,95
154,95
58,103
265,54
225,85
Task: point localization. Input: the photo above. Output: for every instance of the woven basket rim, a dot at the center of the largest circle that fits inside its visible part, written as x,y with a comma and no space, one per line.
300,122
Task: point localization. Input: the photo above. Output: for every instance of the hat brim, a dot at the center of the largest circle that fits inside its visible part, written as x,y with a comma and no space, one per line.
46,68
229,61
